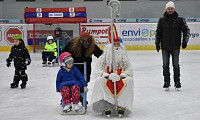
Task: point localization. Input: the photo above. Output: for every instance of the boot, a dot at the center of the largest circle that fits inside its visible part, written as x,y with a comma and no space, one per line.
107,112
44,62
24,79
166,85
120,111
14,85
23,85
15,80
177,85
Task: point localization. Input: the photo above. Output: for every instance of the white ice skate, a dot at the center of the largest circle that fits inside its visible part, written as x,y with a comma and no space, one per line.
76,107
67,108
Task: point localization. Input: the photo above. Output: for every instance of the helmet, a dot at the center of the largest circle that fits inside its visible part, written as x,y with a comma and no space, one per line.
59,30
49,38
63,56
17,36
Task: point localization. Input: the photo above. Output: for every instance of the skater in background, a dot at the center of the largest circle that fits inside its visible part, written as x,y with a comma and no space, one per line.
50,51
103,91
82,48
168,35
20,55
70,81
59,36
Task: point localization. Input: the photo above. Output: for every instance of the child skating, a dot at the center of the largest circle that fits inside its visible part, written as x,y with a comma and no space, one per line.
20,55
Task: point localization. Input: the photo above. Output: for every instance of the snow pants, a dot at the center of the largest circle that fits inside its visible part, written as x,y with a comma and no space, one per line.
70,94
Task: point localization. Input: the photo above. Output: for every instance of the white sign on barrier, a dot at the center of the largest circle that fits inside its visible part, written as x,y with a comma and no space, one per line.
133,34
8,30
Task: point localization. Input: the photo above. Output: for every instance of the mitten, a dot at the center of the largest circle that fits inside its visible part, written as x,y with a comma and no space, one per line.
8,62
114,77
123,75
105,75
28,61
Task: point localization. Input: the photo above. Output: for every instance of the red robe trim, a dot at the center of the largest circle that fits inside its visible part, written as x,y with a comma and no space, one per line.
120,85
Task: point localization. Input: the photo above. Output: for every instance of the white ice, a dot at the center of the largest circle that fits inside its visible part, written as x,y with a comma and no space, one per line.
39,101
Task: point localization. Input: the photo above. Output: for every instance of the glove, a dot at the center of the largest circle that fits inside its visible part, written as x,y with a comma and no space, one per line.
85,89
157,47
114,77
184,45
8,62
28,62
105,75
123,75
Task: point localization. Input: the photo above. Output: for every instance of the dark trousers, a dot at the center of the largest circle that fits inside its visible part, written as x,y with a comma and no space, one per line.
49,55
20,74
175,61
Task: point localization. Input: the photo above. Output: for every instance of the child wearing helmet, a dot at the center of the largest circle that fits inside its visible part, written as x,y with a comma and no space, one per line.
70,80
20,55
50,51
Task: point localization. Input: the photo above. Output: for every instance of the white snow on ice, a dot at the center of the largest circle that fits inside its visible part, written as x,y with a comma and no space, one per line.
39,101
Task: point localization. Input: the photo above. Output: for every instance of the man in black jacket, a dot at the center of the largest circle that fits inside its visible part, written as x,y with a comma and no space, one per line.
168,34
82,49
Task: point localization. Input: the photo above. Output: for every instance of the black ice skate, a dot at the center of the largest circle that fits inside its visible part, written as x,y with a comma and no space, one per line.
107,112
177,86
120,112
23,86
166,86
13,85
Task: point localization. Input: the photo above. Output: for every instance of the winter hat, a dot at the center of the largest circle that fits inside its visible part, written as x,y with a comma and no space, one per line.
68,60
170,4
115,35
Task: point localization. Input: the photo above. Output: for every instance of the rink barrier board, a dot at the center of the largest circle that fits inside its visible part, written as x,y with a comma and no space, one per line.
128,48
153,47
70,9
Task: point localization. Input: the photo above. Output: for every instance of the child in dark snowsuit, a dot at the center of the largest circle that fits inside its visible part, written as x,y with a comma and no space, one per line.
20,55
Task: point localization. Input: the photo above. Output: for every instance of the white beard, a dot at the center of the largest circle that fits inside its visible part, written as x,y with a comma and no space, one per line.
120,56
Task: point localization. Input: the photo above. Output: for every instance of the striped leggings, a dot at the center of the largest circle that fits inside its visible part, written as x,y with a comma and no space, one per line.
70,94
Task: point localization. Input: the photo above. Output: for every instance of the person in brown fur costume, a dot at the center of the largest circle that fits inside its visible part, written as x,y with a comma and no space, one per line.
82,48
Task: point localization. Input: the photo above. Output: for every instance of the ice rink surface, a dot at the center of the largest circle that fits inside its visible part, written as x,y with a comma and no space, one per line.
39,101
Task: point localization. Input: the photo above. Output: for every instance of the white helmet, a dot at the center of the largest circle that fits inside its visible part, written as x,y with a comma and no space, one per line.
49,38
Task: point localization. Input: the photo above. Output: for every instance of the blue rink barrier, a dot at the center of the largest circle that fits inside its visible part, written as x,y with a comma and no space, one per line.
64,14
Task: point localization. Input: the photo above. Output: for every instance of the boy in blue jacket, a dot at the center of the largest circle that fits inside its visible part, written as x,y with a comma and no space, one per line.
70,81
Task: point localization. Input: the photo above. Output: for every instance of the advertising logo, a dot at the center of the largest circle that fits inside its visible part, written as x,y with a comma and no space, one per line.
10,32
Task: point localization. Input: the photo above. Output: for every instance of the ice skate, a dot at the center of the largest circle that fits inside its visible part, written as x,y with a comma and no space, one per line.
13,85
44,63
166,86
76,107
177,86
49,63
107,112
23,86
120,112
67,108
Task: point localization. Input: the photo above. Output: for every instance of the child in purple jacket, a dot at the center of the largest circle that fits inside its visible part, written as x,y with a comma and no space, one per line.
70,81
